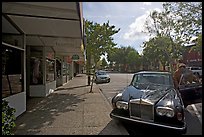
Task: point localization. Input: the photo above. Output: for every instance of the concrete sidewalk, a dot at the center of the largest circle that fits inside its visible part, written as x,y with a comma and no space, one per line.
70,110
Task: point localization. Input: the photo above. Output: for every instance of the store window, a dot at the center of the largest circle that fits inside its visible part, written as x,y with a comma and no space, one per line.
36,65
58,68
13,39
65,72
12,71
50,64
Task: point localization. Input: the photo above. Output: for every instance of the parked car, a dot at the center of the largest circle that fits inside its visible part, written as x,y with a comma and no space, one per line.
151,99
102,77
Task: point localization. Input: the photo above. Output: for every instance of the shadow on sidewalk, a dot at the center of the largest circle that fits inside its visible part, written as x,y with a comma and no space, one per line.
68,88
44,112
113,128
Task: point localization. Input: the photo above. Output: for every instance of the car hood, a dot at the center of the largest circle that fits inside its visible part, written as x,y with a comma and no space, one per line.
102,76
153,96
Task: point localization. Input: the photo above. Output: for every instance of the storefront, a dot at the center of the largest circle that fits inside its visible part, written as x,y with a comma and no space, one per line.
13,65
37,38
42,70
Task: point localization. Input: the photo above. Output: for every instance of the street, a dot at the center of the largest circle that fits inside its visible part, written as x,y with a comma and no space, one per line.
119,81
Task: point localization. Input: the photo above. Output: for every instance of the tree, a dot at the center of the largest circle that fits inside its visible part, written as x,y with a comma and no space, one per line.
124,57
159,49
99,41
133,60
164,25
187,18
198,43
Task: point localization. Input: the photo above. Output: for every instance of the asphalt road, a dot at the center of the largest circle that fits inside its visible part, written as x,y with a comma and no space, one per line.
119,81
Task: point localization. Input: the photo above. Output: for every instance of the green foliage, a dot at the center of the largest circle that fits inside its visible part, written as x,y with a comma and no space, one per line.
187,17
99,38
99,42
126,57
198,46
161,49
8,118
171,29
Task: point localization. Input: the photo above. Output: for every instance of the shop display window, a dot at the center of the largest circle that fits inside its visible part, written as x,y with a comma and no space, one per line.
13,39
12,71
36,65
58,68
50,64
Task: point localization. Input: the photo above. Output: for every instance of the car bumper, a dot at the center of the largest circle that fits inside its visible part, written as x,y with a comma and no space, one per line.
102,80
181,129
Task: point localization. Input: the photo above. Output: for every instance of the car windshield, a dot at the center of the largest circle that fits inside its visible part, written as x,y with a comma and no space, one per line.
152,81
101,73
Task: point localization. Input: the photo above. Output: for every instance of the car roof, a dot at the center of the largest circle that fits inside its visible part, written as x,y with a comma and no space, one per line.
101,71
157,72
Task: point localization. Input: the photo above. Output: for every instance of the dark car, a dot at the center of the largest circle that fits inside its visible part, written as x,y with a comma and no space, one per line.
102,77
152,100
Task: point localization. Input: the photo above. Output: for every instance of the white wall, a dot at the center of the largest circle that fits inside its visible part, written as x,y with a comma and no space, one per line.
17,101
37,90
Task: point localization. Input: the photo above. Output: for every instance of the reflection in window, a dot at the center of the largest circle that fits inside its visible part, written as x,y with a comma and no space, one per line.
36,71
50,70
15,40
65,72
65,69
12,78
36,65
58,68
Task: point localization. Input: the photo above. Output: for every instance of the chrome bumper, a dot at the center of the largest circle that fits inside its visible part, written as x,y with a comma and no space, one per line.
182,129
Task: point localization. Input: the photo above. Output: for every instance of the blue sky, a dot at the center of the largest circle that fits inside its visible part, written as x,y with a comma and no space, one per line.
128,16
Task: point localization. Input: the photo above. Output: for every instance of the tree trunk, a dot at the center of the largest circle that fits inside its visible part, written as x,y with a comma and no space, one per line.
91,90
164,67
89,67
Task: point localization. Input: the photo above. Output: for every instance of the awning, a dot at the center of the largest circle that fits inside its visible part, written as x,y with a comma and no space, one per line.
56,24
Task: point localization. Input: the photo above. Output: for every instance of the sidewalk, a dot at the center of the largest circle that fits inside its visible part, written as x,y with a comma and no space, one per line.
70,110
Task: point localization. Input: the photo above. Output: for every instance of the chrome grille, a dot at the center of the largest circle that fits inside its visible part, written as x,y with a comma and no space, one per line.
141,109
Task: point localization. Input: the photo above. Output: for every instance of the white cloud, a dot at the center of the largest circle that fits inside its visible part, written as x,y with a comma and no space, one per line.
147,3
136,28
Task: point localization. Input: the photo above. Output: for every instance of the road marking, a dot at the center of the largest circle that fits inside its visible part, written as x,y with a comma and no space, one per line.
196,112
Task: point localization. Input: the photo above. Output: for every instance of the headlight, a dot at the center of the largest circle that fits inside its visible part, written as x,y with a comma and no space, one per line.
122,105
167,111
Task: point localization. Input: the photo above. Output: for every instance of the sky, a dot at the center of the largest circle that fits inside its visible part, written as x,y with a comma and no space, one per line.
128,16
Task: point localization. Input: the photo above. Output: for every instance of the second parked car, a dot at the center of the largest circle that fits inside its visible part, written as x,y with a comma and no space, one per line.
102,77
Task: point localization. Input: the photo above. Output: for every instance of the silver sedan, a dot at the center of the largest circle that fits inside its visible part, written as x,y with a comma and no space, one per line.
102,77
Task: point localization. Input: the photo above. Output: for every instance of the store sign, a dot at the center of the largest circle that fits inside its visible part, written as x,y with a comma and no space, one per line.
75,57
80,62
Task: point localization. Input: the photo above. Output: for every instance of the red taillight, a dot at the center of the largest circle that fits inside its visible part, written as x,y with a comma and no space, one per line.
179,116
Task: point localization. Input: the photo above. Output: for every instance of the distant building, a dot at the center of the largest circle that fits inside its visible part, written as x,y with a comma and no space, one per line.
191,57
